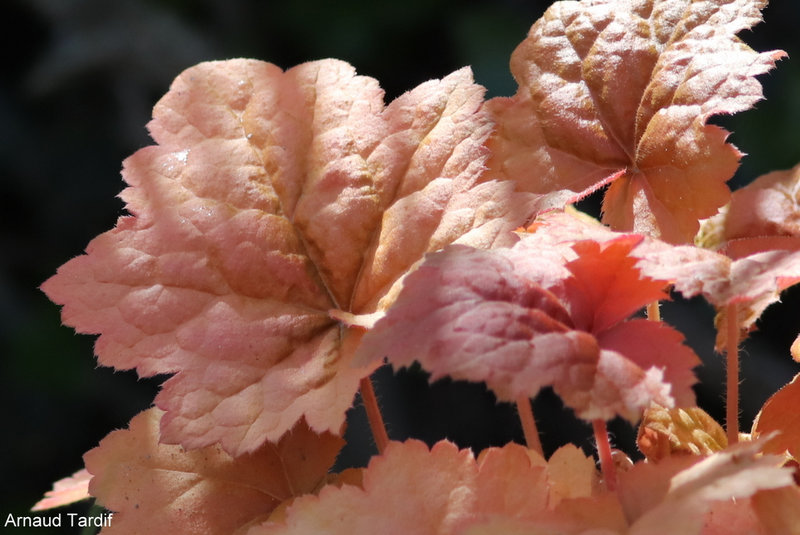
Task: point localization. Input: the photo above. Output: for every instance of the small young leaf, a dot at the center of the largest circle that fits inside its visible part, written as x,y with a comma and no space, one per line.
679,431
66,491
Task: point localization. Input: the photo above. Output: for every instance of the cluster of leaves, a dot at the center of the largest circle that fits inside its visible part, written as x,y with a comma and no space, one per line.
289,231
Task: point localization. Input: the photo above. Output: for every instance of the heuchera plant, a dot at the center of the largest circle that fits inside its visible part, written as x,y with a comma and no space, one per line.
289,232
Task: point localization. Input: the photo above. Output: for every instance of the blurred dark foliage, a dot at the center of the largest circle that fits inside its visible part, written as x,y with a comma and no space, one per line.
78,82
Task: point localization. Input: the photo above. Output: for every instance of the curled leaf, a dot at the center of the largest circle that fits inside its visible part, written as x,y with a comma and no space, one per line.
766,212
679,431
780,416
617,92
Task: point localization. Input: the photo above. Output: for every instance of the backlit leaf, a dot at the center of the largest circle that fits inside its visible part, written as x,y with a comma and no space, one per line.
620,92
275,204
527,317
158,488
780,414
444,490
66,491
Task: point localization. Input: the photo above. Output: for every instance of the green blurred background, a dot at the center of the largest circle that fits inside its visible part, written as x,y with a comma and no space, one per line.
79,80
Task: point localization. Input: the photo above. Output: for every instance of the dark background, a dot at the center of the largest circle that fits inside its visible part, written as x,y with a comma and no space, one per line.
78,81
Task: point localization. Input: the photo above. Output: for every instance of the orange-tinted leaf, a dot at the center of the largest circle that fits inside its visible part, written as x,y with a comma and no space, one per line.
443,490
66,491
780,413
621,92
157,488
530,316
779,510
679,431
271,199
753,281
605,287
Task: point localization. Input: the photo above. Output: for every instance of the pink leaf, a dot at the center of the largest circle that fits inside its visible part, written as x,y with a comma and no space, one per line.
522,318
655,507
272,199
754,281
157,488
767,207
66,491
619,92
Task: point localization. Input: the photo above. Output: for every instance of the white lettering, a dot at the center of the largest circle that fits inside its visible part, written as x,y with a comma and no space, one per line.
32,521
100,521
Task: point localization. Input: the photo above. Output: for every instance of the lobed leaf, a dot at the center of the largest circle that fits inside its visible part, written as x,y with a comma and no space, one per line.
275,204
158,488
618,92
527,317
413,489
753,281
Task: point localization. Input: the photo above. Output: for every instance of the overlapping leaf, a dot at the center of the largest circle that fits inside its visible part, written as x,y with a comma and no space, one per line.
271,199
765,213
682,505
413,489
529,316
753,281
442,490
620,92
158,488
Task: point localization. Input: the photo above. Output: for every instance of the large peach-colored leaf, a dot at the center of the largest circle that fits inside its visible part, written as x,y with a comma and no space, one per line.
275,204
443,490
158,488
620,92
522,318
